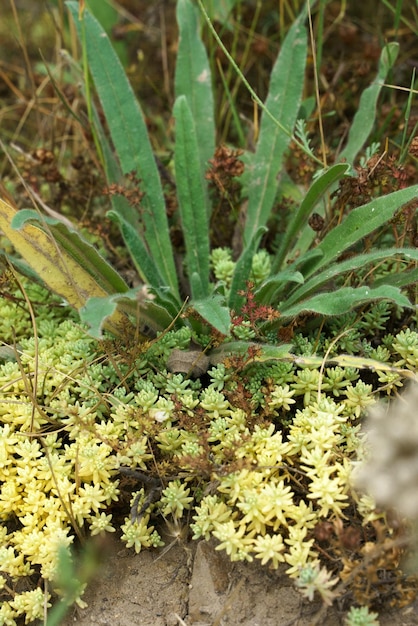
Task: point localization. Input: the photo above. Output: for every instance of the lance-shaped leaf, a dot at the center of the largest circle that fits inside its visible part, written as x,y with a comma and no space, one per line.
344,300
193,79
192,197
68,265
359,223
300,216
130,137
354,264
365,117
214,311
285,95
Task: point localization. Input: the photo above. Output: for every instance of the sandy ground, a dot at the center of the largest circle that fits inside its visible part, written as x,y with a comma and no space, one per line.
194,585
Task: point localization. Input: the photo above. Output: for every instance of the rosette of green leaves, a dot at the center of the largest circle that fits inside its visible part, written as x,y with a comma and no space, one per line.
294,286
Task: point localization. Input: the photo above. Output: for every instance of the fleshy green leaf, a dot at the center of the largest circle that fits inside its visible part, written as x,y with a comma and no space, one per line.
269,289
95,312
148,313
262,351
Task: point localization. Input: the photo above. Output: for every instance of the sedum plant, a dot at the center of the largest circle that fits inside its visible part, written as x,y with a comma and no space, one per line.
268,476
260,457
302,275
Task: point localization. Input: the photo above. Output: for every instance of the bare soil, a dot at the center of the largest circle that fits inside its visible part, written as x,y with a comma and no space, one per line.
194,585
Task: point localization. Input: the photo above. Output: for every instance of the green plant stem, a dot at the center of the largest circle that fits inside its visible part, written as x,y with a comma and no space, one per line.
399,18
316,65
406,143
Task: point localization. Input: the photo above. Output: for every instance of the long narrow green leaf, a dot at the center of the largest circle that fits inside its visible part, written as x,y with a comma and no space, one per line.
191,193
344,300
108,15
357,362
146,268
220,10
358,224
283,100
365,117
114,174
299,219
400,279
130,138
193,79
353,264
111,165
